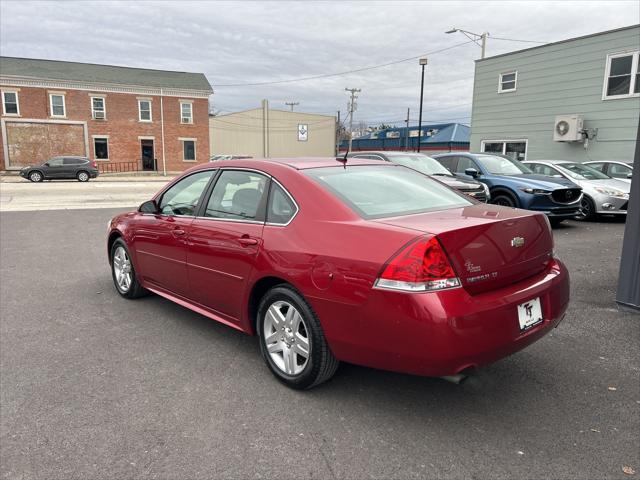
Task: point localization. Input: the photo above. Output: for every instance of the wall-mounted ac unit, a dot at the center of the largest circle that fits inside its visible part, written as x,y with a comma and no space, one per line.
568,128
98,115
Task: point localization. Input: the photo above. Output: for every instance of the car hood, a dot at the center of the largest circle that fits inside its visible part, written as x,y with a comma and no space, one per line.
608,183
538,181
457,183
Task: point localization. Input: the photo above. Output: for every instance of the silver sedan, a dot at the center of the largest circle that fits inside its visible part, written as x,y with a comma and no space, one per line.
601,193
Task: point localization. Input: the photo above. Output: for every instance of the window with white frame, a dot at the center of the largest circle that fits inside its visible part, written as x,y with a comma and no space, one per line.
622,78
58,108
508,82
101,147
98,110
188,149
516,149
10,104
144,110
186,112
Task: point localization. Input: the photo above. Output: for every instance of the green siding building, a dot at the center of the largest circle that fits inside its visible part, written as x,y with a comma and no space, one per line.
577,99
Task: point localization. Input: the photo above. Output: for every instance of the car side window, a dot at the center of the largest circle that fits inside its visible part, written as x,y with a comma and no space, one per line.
183,197
542,169
464,163
73,161
618,171
280,208
450,162
237,195
55,162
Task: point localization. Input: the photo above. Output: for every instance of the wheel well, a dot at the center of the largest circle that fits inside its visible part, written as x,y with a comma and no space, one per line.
112,238
504,191
258,291
36,170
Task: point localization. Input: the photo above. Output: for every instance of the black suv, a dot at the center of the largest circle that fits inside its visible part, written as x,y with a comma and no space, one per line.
429,166
80,168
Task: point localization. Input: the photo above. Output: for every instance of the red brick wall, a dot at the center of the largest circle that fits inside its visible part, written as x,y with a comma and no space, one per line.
121,124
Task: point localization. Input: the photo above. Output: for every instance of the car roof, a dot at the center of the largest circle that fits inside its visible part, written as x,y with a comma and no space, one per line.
553,162
298,163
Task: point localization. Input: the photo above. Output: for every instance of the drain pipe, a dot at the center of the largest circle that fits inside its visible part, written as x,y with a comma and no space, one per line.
164,160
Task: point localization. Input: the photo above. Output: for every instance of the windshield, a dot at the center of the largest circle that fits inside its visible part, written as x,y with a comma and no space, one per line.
582,172
422,163
376,191
502,165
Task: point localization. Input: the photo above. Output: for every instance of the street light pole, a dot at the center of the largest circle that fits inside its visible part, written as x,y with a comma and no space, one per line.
352,108
475,37
423,63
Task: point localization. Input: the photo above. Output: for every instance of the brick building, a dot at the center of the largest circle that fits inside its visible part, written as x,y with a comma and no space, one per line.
124,118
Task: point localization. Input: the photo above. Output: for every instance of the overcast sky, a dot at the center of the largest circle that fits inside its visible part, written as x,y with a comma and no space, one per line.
253,42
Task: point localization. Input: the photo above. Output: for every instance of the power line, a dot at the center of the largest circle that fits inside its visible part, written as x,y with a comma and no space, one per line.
338,74
516,40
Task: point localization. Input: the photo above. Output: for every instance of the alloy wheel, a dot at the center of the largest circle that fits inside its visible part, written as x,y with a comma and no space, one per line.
83,176
35,176
122,269
286,338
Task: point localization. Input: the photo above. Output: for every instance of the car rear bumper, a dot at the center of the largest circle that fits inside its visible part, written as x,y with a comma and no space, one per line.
446,332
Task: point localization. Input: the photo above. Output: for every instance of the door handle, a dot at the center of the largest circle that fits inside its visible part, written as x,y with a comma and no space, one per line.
246,241
178,232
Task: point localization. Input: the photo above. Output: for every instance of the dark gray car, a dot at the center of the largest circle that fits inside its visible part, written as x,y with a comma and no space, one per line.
67,167
429,166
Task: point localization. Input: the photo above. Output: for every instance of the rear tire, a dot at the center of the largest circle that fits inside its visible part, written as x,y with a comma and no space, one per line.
588,209
504,199
292,342
36,176
124,275
82,176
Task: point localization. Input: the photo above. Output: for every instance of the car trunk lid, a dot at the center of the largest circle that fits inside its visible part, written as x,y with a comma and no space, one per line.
489,246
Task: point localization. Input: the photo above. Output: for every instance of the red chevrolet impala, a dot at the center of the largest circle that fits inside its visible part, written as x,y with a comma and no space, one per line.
364,262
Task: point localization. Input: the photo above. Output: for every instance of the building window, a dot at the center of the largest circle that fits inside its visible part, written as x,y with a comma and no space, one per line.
144,110
186,112
10,103
98,111
57,105
393,134
516,149
622,76
508,82
101,148
188,149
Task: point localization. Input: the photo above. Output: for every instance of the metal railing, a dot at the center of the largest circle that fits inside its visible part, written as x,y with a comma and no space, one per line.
119,167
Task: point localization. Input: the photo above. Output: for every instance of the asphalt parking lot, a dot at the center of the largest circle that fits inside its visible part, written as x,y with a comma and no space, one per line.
95,386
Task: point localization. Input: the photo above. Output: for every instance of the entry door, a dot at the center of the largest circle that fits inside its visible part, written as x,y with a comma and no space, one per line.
147,154
161,239
225,241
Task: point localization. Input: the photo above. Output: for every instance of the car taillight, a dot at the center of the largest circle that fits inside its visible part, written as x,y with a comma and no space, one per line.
94,164
420,266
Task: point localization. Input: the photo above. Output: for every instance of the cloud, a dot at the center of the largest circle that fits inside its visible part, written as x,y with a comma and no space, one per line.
249,42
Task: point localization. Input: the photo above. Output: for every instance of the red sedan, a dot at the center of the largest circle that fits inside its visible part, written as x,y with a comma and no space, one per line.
365,262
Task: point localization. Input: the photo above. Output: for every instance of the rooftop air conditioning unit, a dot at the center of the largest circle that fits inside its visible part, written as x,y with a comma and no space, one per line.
568,128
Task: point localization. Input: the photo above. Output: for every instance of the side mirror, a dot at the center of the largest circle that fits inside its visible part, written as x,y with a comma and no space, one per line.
46,164
472,172
149,206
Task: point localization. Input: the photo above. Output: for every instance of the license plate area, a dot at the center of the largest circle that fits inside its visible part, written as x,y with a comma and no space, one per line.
529,314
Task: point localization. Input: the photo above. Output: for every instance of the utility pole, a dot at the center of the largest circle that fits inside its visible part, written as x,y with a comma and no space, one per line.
352,108
423,63
406,140
338,139
482,37
292,104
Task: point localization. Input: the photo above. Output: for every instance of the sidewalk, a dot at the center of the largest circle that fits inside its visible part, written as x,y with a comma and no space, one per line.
11,177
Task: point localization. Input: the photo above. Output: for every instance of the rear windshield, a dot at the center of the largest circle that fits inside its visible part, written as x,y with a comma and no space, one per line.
377,191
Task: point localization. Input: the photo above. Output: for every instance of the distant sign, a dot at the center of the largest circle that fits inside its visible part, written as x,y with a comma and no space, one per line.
303,132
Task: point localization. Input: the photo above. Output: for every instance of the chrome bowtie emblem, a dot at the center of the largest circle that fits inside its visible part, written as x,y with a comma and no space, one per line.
517,242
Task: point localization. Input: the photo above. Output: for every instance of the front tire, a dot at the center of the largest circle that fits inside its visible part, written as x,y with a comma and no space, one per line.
122,271
292,342
504,199
82,176
36,176
588,209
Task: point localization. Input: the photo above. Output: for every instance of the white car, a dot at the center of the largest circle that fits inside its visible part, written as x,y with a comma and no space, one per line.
601,194
614,168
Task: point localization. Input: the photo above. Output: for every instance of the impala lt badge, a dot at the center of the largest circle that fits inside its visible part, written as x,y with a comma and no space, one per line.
517,242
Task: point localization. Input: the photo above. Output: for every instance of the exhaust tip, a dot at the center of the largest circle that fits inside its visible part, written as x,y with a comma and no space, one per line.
458,378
